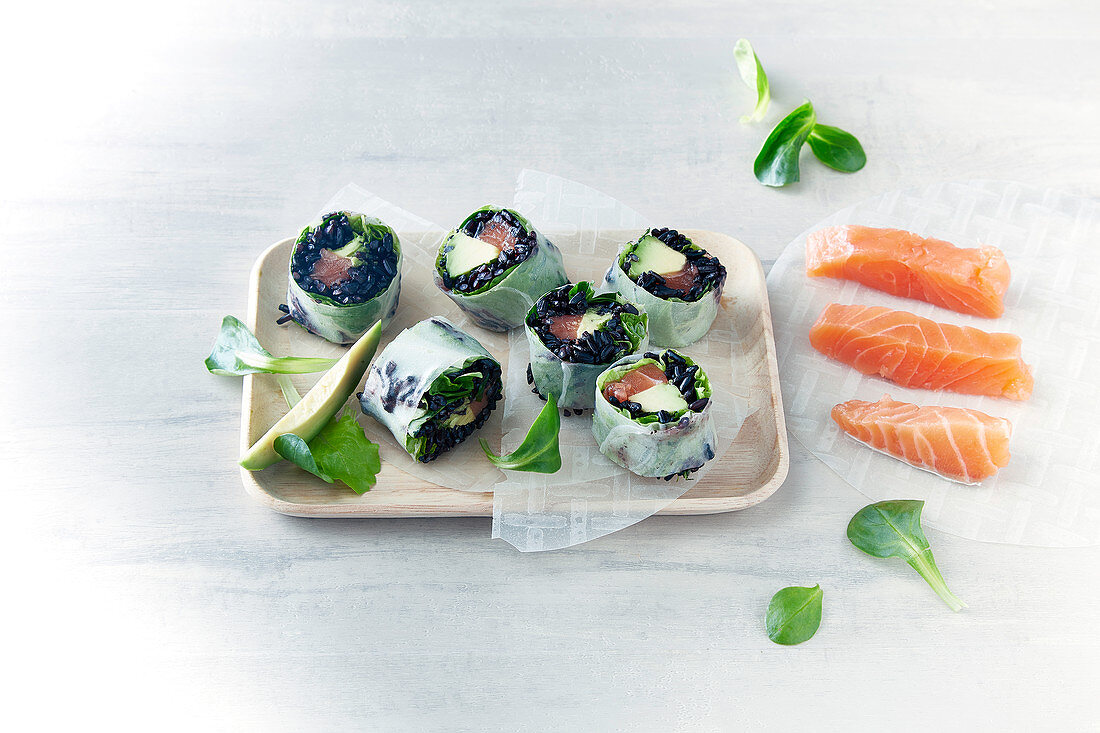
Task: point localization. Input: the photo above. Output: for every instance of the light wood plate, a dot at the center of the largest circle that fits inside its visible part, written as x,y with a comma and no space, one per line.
749,472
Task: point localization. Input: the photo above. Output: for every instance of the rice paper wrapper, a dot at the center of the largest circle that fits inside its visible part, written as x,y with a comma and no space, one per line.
406,369
504,306
344,324
672,323
573,385
652,449
1049,493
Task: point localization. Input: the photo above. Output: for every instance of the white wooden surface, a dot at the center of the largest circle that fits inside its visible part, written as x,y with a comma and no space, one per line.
150,153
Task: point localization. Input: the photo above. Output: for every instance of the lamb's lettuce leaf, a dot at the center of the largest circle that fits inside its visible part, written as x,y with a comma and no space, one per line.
752,73
539,452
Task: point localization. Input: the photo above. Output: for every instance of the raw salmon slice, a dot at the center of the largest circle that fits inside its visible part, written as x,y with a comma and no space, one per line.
498,233
901,263
331,268
565,327
635,381
919,352
957,443
682,279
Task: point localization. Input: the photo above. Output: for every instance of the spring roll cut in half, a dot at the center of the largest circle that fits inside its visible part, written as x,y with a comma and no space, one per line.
676,282
345,274
652,415
432,387
495,265
574,335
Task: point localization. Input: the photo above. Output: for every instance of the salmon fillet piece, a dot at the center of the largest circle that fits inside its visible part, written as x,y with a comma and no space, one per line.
331,268
957,443
967,280
499,233
635,381
919,352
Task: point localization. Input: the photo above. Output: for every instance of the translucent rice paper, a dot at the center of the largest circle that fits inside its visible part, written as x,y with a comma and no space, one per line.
672,323
572,384
652,449
591,496
504,305
416,357
344,324
1049,494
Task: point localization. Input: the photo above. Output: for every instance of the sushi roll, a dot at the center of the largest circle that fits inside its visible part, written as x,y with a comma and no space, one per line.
432,387
652,415
345,274
495,265
574,335
674,280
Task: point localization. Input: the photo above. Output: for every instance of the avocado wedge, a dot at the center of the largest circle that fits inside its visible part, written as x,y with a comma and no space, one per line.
320,404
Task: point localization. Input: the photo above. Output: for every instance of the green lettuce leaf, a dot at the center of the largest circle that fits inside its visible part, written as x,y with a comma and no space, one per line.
340,452
237,352
752,73
539,452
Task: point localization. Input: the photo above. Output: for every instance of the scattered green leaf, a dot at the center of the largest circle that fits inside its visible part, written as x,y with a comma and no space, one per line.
794,615
340,452
539,452
893,529
752,73
777,163
837,148
344,452
296,450
237,352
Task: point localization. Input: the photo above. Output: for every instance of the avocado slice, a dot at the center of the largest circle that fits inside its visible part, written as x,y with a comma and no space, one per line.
308,417
591,321
661,397
655,256
466,253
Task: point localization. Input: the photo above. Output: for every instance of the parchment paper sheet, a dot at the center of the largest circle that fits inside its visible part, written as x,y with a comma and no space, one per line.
1049,494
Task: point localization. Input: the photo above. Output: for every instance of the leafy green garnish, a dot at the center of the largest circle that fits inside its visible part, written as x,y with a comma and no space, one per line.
893,529
794,615
539,451
340,452
296,450
777,163
837,149
237,352
614,374
752,73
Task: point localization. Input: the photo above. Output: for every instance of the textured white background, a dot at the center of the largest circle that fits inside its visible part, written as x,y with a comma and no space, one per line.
150,152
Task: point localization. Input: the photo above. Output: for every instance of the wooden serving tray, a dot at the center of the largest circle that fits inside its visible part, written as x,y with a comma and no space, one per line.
749,472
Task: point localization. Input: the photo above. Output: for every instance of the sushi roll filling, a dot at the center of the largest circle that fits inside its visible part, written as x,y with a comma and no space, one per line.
659,388
339,264
501,242
669,265
578,326
469,395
